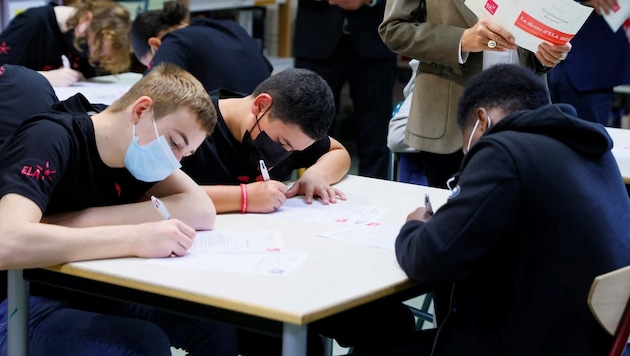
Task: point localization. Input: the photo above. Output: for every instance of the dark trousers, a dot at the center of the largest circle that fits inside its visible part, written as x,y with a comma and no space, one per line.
371,83
591,105
380,325
439,167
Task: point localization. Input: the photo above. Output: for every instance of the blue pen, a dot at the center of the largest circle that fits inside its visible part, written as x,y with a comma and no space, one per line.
161,208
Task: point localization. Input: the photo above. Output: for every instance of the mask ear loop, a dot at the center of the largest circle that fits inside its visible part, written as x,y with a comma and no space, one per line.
157,134
472,133
257,123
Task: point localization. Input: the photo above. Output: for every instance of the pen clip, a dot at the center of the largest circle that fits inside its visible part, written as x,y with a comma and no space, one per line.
161,208
263,170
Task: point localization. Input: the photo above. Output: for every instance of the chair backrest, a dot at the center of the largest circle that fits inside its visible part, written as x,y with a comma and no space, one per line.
608,299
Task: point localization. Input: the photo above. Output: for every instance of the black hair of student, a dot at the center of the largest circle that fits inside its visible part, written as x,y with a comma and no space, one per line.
300,97
150,23
507,86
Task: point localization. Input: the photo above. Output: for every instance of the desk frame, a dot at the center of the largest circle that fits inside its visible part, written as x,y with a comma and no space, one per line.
282,310
294,337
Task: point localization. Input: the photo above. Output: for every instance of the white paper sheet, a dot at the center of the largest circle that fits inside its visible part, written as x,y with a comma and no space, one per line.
532,22
621,151
372,234
342,211
257,252
275,264
618,16
238,241
96,93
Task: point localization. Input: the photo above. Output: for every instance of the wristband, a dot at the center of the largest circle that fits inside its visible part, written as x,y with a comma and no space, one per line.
243,198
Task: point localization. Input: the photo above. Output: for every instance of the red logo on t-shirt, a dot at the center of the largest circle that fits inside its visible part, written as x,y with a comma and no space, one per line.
38,172
2,70
117,187
4,49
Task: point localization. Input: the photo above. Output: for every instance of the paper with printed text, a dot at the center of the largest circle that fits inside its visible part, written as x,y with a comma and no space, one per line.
532,22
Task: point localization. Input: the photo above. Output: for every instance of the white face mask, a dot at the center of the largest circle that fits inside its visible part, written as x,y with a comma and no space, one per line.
153,162
472,133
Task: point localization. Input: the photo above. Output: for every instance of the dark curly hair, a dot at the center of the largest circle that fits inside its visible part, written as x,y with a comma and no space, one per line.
300,97
507,86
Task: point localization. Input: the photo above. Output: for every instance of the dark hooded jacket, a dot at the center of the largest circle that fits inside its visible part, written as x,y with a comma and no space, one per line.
539,210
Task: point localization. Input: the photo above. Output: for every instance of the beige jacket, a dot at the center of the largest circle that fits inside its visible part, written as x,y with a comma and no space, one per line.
432,125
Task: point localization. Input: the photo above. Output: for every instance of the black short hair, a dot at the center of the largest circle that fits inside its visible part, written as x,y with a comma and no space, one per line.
300,97
150,23
507,86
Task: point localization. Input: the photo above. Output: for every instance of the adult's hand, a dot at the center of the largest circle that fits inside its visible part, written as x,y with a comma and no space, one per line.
487,35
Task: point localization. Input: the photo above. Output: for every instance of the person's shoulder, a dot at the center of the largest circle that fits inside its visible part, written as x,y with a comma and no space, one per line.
38,11
20,75
223,25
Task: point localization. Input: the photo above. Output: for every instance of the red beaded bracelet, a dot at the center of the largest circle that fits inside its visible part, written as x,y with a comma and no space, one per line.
243,198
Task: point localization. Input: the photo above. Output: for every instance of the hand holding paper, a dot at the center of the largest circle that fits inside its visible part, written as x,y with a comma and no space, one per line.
533,22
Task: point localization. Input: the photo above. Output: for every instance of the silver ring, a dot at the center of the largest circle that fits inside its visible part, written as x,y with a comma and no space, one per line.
492,44
563,56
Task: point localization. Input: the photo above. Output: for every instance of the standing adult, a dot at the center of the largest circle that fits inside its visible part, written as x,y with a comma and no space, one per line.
599,61
452,45
89,34
338,39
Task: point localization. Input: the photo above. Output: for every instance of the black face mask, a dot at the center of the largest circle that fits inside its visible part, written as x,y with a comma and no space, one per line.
263,148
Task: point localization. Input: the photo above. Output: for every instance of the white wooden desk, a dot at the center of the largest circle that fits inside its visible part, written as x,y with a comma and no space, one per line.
621,150
335,277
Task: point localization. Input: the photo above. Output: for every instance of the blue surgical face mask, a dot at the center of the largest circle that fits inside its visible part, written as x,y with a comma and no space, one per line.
153,162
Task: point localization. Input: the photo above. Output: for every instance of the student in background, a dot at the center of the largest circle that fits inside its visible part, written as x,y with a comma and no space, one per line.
538,211
220,53
284,122
23,93
409,161
88,34
73,182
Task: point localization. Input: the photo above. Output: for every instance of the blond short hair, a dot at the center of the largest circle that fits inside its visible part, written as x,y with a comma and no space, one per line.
111,24
171,88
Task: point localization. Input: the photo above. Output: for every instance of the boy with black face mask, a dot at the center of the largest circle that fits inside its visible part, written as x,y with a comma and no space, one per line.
284,122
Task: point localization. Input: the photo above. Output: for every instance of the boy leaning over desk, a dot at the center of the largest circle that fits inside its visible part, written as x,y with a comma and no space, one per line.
72,182
283,122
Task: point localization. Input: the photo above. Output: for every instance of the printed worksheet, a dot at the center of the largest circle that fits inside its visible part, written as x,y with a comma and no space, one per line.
342,211
534,21
238,241
371,234
257,252
273,264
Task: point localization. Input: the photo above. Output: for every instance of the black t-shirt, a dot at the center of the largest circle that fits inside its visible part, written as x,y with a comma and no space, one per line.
33,39
52,159
23,93
221,159
219,53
